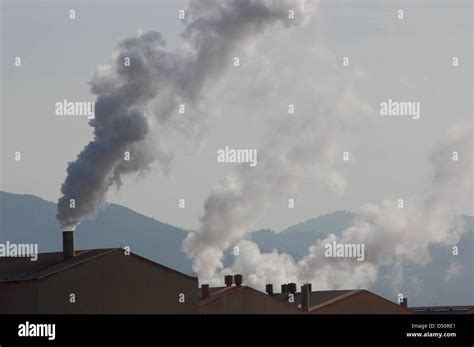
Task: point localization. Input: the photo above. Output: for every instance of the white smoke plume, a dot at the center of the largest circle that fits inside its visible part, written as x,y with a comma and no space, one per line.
303,146
392,236
134,102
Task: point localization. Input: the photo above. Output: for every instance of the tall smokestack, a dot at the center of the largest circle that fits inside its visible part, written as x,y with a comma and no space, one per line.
68,244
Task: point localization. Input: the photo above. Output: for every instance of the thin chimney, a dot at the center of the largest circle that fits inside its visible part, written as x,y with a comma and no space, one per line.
305,297
404,303
68,244
269,289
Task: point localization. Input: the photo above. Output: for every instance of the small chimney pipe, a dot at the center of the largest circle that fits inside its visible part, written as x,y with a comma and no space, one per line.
228,280
204,291
292,288
238,280
284,288
68,244
404,303
305,297
269,289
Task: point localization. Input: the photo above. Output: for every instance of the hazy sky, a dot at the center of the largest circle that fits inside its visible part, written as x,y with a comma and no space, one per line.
404,60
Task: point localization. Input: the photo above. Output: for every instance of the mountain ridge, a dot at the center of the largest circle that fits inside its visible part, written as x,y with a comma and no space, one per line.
22,216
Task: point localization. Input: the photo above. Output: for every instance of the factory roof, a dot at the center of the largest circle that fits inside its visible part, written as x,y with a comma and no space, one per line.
24,269
318,298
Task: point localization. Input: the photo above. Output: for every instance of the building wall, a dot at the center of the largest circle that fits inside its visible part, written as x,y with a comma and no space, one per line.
363,302
18,297
247,301
112,283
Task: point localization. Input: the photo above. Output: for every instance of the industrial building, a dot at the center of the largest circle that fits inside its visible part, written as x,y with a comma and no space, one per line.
443,309
103,281
337,301
235,298
93,281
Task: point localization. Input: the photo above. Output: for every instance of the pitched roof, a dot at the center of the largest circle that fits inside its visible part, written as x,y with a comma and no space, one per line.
23,269
216,293
319,298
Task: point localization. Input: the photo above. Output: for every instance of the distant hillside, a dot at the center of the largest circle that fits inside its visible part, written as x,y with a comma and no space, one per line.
297,238
27,218
331,223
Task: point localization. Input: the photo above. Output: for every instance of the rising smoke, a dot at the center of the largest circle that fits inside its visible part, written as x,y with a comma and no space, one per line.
392,236
294,149
123,121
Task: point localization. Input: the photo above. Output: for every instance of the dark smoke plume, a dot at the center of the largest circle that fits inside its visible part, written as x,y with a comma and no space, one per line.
123,123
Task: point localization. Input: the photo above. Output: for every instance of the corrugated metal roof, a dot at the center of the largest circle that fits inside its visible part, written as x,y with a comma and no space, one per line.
22,268
166,268
216,293
318,298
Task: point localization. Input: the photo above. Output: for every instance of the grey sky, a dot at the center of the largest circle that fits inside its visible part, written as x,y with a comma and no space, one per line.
406,59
